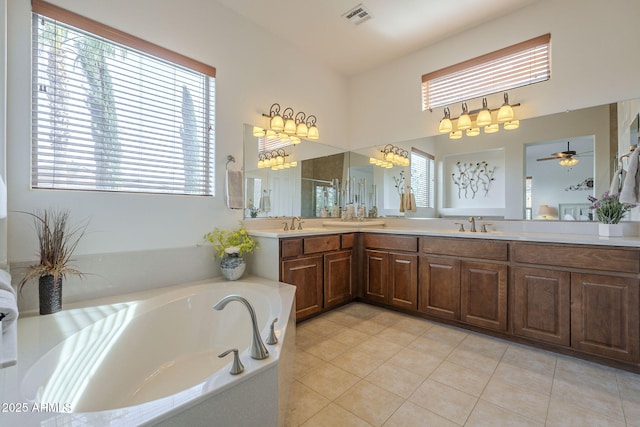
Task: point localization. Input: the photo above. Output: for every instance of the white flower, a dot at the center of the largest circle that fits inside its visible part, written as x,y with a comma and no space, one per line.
232,250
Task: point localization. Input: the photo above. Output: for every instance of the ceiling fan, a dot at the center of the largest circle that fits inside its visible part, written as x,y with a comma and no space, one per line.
567,158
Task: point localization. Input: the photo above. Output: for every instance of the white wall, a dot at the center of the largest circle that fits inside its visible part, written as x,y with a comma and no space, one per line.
250,77
593,60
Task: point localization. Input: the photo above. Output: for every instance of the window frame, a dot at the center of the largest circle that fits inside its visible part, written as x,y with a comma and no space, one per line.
430,179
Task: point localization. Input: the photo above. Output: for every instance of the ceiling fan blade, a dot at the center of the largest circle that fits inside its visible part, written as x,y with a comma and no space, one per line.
548,158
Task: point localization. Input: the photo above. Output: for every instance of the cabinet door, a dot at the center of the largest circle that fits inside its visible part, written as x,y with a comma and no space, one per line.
338,283
376,266
542,305
439,287
604,315
483,288
403,280
306,275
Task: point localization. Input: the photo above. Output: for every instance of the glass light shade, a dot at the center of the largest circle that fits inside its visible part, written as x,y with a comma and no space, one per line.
388,165
290,126
276,123
572,161
313,132
505,114
260,164
484,118
493,128
455,135
295,140
445,125
280,160
301,130
464,122
258,132
294,164
511,125
283,137
271,133
473,131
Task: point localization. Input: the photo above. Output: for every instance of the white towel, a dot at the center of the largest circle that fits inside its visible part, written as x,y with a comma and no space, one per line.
8,309
631,188
265,202
616,181
5,282
235,190
3,199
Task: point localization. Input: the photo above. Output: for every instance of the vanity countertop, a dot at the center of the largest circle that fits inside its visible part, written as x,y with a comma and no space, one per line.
557,232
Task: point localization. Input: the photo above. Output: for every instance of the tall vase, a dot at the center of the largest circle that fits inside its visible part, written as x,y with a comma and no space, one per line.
232,266
50,294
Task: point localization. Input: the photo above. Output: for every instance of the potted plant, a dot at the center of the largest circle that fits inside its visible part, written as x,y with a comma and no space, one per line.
230,246
57,241
609,211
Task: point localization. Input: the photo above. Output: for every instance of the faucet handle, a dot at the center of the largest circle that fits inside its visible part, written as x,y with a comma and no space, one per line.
484,227
300,225
237,367
272,339
461,224
286,226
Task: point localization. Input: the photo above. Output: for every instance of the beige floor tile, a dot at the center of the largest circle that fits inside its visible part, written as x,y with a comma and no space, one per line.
586,374
631,412
370,402
446,335
471,360
523,377
445,401
322,326
361,310
303,404
330,381
304,363
589,398
433,347
327,349
413,325
486,414
463,379
340,317
378,348
369,327
350,337
396,380
412,415
396,335
492,348
629,386
519,400
332,416
529,358
415,361
563,414
357,362
387,318
306,338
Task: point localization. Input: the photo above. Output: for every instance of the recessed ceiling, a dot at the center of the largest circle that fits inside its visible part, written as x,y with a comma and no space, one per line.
393,28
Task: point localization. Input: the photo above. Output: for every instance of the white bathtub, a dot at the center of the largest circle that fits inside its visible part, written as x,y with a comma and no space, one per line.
152,358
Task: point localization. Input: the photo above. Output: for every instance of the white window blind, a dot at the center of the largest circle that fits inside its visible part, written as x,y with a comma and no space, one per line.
422,178
515,66
270,143
111,117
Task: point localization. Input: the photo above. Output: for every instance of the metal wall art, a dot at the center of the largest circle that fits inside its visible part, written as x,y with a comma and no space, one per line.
473,177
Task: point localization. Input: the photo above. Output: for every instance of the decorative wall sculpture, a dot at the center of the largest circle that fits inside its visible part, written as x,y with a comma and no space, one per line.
473,177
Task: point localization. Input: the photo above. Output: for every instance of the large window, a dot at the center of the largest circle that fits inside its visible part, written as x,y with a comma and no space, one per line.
514,66
114,113
422,178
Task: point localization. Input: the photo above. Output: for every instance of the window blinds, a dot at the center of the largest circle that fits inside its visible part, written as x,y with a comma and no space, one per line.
515,66
110,117
422,178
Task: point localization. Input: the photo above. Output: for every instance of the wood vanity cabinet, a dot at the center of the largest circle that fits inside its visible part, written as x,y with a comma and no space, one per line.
465,280
321,268
579,296
391,270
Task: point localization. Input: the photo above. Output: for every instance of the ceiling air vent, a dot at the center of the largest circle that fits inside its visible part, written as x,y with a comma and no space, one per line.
357,15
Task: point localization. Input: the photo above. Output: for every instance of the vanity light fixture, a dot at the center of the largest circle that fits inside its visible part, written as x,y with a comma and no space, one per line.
276,160
258,132
569,161
483,119
299,125
395,155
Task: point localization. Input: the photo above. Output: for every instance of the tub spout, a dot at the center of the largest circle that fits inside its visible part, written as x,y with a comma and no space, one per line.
258,349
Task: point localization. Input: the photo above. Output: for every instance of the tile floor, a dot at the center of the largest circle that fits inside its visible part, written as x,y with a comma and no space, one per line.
362,365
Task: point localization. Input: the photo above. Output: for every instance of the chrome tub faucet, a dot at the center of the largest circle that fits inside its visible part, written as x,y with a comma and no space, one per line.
258,349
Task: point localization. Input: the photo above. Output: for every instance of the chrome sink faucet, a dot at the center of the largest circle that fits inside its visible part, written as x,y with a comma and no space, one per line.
258,349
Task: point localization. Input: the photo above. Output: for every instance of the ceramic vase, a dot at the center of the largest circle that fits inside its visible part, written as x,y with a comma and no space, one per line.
232,266
610,230
50,294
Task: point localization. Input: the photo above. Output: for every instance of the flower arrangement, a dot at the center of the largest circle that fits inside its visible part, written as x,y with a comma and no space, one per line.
231,241
608,209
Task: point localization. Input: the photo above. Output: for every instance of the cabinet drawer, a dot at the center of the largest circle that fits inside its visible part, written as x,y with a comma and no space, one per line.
314,245
470,248
347,240
608,259
290,248
397,243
